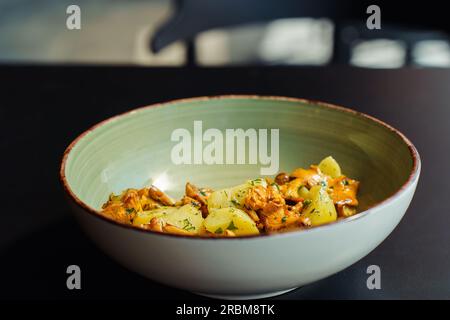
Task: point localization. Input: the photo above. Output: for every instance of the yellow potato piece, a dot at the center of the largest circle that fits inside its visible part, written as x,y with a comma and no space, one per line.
321,208
232,219
330,167
187,217
303,192
145,217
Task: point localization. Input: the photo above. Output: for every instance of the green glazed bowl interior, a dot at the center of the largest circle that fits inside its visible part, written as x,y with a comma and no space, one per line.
134,150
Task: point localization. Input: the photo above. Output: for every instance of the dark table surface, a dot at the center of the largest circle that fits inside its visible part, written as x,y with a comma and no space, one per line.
43,108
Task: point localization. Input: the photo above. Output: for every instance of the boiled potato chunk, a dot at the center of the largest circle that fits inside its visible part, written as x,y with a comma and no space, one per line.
220,199
330,167
187,217
145,217
320,209
232,197
303,192
232,219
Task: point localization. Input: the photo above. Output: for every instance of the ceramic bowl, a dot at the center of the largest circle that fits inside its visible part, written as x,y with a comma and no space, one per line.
134,150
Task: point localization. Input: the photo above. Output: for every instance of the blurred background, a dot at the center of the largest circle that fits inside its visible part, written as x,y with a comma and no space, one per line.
225,32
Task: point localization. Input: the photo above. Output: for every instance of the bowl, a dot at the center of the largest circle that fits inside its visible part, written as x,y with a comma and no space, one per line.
135,149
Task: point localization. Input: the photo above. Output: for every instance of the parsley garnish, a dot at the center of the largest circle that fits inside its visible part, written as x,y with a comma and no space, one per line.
235,202
307,202
345,182
129,210
256,181
284,219
218,231
276,185
231,226
188,225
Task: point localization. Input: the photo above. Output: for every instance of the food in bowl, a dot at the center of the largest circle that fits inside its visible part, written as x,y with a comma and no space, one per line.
134,149
302,199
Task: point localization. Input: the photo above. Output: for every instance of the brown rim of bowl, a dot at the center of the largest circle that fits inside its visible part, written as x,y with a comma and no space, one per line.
412,177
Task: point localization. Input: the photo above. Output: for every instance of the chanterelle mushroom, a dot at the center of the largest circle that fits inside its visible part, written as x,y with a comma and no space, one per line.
160,196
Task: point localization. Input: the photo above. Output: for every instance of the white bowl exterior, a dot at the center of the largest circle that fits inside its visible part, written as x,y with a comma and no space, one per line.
248,265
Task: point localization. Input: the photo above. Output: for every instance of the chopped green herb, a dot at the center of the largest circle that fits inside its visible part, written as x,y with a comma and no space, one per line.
299,188
255,181
235,202
323,183
202,193
226,193
275,185
188,225
284,219
345,182
307,202
218,231
130,210
231,226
